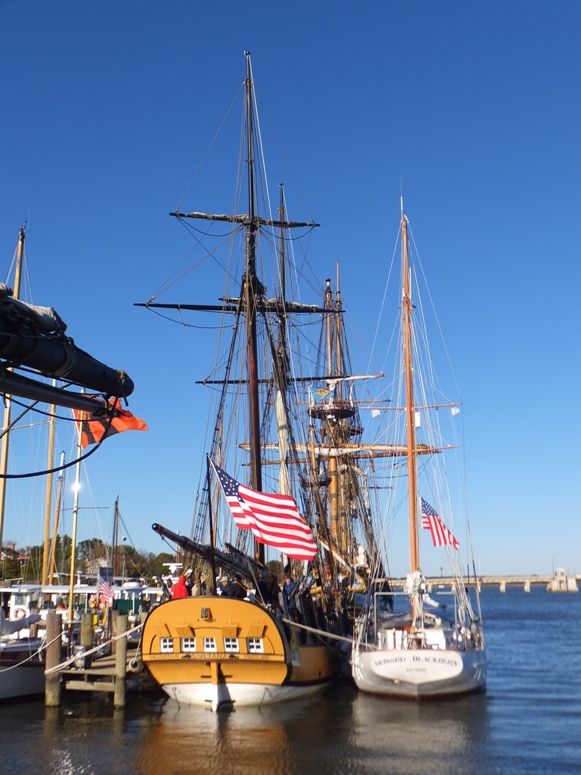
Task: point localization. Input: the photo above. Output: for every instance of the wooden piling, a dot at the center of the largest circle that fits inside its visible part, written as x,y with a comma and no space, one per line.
87,636
120,661
52,696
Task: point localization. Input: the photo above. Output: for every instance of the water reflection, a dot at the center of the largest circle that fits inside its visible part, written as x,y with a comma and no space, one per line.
343,731
431,737
197,740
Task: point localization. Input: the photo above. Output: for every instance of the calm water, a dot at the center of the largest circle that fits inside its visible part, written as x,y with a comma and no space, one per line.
528,722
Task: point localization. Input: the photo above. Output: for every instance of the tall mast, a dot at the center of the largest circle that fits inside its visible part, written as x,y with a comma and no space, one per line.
252,302
48,496
7,401
407,307
115,540
77,487
57,511
252,289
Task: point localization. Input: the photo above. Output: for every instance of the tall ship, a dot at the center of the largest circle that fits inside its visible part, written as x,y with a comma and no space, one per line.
425,640
284,509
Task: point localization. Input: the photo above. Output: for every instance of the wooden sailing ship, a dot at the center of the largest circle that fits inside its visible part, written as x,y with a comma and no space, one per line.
277,429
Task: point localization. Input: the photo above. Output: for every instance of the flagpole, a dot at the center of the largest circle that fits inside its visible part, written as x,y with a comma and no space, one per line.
210,516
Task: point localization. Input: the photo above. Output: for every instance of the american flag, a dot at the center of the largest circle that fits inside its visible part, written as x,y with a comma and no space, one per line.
273,518
441,536
106,590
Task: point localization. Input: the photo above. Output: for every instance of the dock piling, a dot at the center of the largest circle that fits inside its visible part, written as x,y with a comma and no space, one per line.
54,628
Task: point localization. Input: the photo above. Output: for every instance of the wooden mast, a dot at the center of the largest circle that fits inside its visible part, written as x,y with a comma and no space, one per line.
252,290
57,511
48,496
7,401
77,487
407,307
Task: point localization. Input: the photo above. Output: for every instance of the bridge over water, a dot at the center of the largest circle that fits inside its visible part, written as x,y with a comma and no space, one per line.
559,582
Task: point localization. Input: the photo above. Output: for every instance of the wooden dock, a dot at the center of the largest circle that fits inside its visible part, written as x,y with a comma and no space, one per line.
86,672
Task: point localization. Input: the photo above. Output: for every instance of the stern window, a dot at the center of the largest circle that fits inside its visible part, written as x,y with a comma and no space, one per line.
188,644
209,644
166,645
255,645
231,644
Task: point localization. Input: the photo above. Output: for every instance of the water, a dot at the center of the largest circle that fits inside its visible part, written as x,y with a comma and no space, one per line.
528,723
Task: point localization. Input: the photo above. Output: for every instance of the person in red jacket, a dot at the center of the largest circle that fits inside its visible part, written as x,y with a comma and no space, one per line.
179,589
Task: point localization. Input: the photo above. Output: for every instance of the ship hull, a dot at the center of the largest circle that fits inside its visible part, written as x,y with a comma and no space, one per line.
220,652
20,679
419,673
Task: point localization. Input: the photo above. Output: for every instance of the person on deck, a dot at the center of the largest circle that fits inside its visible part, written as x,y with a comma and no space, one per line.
179,589
272,590
235,588
289,592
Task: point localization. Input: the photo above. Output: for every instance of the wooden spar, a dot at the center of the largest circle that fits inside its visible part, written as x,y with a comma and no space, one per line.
57,512
251,291
333,467
7,402
48,498
77,487
409,392
115,542
342,476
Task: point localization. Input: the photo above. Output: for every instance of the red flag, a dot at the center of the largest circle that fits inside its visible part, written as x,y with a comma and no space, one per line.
273,518
441,536
94,431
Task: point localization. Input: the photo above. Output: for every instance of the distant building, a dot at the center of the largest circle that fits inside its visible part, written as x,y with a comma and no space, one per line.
562,583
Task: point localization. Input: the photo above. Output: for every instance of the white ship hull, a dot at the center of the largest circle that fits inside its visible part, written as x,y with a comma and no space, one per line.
24,680
419,673
217,696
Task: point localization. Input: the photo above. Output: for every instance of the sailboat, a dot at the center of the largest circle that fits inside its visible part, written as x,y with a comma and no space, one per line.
420,642
33,340
260,511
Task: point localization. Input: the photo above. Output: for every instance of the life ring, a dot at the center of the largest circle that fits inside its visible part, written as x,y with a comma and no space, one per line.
19,613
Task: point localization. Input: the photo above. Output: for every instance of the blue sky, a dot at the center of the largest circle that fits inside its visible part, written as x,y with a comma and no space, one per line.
108,109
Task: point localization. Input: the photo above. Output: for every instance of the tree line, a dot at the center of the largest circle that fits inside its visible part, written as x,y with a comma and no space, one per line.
26,564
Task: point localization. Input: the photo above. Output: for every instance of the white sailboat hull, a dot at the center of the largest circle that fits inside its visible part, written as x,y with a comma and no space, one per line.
21,681
419,673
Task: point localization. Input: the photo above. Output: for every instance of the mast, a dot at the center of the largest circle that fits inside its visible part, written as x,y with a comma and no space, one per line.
48,497
115,539
407,307
252,290
252,302
57,512
281,360
77,487
7,401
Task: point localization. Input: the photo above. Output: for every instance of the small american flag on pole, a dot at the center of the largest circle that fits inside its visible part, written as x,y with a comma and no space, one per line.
106,590
441,536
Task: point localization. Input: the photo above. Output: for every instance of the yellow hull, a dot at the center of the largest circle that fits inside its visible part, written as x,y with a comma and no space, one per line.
216,651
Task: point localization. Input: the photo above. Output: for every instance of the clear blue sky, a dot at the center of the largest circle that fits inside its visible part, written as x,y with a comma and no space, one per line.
108,108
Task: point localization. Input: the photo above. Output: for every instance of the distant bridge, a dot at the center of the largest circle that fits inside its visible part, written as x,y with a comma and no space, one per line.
559,582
